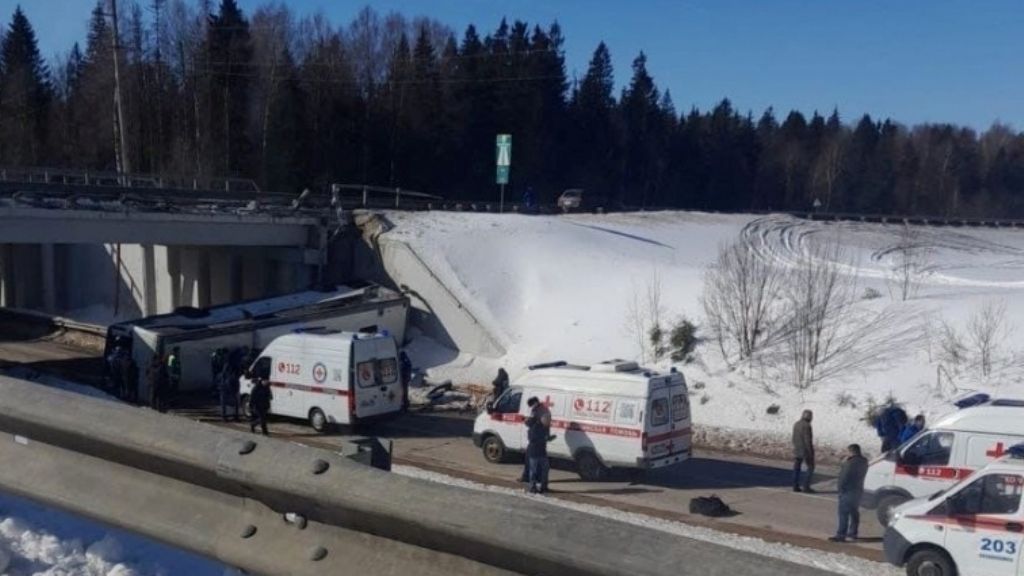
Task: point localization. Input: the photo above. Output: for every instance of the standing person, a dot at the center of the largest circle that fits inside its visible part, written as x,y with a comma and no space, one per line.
803,452
405,371
227,390
851,488
217,361
259,405
155,376
500,383
538,434
129,379
174,370
114,371
536,409
911,429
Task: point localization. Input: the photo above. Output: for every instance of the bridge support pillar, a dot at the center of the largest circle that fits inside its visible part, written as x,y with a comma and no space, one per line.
149,303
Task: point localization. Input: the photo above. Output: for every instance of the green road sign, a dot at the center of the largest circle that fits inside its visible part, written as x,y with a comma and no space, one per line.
504,157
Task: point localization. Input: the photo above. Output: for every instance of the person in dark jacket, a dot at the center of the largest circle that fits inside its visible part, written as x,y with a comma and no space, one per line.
538,433
538,409
499,384
259,405
851,487
803,452
227,389
911,429
405,370
156,378
174,371
129,380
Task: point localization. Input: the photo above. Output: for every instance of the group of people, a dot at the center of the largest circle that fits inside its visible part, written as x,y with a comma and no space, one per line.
163,376
850,484
892,428
227,366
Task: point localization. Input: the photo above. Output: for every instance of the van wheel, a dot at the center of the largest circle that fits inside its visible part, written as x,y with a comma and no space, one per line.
886,506
590,467
494,450
930,562
243,401
318,420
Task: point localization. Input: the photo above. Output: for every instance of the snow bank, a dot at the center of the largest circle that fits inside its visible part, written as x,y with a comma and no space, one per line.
562,287
837,563
39,541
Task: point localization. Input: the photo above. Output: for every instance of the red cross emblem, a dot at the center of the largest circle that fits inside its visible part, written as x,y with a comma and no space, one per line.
996,452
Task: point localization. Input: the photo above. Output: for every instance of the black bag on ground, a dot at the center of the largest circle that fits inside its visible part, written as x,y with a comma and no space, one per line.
709,506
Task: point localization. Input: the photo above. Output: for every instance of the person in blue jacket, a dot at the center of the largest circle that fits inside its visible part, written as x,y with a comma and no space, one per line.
889,422
912,428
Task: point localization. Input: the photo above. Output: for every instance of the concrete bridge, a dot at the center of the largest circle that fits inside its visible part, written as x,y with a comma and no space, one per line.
128,252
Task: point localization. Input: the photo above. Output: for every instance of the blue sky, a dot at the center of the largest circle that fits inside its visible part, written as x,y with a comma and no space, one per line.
912,60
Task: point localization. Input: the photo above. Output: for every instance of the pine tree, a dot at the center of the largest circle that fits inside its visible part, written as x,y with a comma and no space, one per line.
229,73
25,96
639,107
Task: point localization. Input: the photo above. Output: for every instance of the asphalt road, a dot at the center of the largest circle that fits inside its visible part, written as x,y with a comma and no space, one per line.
758,489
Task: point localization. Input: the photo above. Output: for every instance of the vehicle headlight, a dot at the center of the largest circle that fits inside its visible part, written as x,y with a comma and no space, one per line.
894,517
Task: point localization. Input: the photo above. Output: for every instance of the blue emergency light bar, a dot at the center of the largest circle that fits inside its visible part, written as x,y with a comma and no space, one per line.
1016,451
972,400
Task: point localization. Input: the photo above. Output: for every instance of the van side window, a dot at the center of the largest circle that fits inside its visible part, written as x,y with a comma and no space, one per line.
659,412
930,450
509,402
261,368
991,494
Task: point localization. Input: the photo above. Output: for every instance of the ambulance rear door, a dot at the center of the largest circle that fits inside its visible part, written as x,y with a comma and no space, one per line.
660,427
378,385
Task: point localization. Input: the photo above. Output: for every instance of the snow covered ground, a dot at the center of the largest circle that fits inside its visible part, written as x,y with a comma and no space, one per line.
35,540
837,563
564,287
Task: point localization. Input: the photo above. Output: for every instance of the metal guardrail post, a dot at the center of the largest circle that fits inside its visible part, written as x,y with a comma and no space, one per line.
398,195
365,193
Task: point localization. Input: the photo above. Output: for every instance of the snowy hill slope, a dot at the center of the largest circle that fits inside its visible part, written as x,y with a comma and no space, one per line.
570,287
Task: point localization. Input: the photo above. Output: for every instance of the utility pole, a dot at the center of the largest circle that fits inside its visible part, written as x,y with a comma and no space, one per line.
121,140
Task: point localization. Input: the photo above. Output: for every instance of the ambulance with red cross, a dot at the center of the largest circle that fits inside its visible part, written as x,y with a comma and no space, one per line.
329,377
608,415
940,456
975,528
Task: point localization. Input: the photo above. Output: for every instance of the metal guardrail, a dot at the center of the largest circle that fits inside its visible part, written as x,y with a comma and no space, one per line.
229,495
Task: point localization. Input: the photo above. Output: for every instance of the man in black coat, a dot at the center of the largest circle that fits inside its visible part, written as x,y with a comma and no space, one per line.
259,405
538,433
803,452
851,487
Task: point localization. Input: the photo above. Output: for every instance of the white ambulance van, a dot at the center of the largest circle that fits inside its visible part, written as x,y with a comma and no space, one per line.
329,377
612,414
976,528
943,454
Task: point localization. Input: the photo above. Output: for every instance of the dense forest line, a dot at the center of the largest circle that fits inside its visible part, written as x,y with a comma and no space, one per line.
294,102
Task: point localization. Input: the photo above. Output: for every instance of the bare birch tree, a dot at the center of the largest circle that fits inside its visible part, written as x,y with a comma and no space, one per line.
911,262
741,296
986,331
